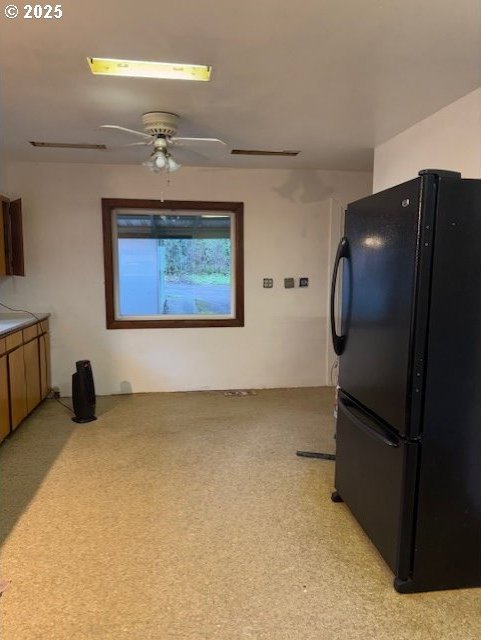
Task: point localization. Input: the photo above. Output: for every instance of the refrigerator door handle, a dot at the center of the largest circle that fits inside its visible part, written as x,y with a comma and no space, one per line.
338,341
372,428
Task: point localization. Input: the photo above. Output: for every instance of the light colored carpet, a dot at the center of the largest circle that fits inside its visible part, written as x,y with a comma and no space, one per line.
188,516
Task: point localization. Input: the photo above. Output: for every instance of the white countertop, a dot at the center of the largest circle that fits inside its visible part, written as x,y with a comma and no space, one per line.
14,320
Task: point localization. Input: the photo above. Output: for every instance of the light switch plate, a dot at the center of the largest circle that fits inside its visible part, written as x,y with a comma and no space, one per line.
289,283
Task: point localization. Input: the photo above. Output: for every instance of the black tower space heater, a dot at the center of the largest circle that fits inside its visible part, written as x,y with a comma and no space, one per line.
83,392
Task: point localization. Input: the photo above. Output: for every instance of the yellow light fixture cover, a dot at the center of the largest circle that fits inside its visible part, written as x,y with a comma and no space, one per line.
144,69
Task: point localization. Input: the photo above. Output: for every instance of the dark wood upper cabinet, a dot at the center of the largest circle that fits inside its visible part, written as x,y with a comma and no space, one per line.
11,238
16,234
3,238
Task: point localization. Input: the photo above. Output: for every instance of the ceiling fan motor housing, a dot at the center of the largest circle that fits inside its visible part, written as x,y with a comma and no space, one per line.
160,123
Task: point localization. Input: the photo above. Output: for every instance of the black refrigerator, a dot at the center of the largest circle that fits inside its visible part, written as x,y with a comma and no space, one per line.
408,447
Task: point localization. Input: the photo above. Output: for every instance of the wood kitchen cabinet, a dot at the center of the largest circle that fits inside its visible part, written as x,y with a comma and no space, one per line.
3,246
4,404
11,238
18,386
44,353
24,374
32,373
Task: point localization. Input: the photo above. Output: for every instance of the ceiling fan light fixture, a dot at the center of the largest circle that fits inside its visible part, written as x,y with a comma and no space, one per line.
172,165
149,164
160,131
147,69
161,161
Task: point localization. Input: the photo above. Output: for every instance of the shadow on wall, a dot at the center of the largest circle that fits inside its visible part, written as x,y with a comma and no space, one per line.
303,186
126,387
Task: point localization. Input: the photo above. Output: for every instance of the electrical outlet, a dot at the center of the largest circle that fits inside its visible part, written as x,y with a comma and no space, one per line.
303,282
268,283
289,283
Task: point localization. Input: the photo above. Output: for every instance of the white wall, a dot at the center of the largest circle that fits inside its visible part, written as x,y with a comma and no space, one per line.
448,139
288,232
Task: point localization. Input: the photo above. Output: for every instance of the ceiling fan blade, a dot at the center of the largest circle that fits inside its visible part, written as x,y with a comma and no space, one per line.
187,156
142,144
118,147
194,141
116,127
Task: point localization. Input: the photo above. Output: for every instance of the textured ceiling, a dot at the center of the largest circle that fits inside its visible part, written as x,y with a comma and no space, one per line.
332,78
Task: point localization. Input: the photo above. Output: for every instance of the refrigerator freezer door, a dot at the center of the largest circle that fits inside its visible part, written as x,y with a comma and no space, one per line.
370,471
377,300
448,524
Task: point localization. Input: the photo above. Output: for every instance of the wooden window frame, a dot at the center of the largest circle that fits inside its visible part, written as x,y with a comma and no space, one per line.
236,208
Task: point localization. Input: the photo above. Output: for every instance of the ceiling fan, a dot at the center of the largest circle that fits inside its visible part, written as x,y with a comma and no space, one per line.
160,129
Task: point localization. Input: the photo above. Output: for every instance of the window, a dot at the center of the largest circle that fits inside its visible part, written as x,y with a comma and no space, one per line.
173,263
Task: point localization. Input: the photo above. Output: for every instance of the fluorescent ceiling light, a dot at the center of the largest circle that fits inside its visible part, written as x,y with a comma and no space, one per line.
142,69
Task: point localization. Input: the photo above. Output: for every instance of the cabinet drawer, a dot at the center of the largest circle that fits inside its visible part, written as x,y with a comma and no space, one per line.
3,346
14,340
30,333
369,476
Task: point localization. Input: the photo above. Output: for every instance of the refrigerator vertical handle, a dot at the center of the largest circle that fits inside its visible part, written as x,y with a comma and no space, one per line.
338,341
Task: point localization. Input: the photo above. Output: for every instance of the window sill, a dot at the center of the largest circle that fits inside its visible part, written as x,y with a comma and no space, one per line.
174,324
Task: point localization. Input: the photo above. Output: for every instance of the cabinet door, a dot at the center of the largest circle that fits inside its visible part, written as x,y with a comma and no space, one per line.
16,238
44,344
32,374
3,240
11,238
18,387
4,412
